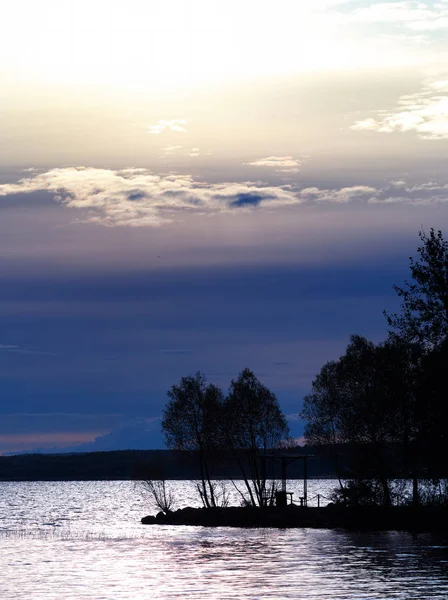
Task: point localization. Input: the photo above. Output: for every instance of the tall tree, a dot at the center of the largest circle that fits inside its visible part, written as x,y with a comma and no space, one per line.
424,312
356,400
432,411
191,422
322,413
422,324
254,425
401,371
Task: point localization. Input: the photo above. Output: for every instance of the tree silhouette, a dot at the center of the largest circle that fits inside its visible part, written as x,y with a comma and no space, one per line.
254,424
365,399
424,312
191,423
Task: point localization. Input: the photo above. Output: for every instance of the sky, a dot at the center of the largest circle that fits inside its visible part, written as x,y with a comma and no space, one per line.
204,185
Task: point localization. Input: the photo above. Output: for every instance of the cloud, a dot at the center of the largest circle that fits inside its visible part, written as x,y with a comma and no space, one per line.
394,192
283,164
176,125
138,197
430,25
390,200
19,350
179,150
20,443
413,14
170,150
430,186
425,113
419,39
400,12
422,194
339,196
247,199
136,434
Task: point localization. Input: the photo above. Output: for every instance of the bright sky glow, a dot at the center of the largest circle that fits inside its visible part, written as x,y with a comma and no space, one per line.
178,42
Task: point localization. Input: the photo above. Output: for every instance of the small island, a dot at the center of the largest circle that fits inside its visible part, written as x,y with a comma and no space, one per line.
361,518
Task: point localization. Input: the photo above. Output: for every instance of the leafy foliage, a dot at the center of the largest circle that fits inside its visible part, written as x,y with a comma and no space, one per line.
256,421
357,492
390,398
162,496
254,424
424,312
365,399
189,418
190,423
248,423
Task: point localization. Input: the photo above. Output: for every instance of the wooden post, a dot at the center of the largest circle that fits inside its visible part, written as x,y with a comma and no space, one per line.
283,474
305,481
263,498
318,500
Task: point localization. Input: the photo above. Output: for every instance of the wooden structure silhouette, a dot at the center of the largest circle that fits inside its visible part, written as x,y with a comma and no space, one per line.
286,458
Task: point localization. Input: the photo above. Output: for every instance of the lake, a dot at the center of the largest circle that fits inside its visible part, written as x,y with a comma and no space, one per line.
84,540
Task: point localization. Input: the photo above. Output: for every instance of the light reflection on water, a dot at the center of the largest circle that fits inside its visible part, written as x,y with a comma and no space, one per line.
83,540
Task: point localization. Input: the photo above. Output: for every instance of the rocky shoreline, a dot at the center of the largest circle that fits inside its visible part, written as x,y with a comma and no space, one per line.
422,519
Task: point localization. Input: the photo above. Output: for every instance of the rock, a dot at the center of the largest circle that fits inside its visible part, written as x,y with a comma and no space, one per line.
149,520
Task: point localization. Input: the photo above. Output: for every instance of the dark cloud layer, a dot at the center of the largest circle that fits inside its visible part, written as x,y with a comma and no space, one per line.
115,343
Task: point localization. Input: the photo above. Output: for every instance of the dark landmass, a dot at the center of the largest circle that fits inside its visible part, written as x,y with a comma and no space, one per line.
89,466
372,518
171,464
138,464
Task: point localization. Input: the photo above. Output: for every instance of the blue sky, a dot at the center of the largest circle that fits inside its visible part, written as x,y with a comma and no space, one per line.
204,186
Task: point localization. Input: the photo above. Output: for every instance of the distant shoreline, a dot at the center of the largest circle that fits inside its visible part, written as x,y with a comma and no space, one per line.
120,465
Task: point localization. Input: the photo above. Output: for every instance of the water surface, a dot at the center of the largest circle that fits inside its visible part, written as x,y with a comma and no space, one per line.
83,540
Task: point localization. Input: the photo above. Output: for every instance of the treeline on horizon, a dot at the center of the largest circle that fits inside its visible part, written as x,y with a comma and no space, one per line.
120,465
381,407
